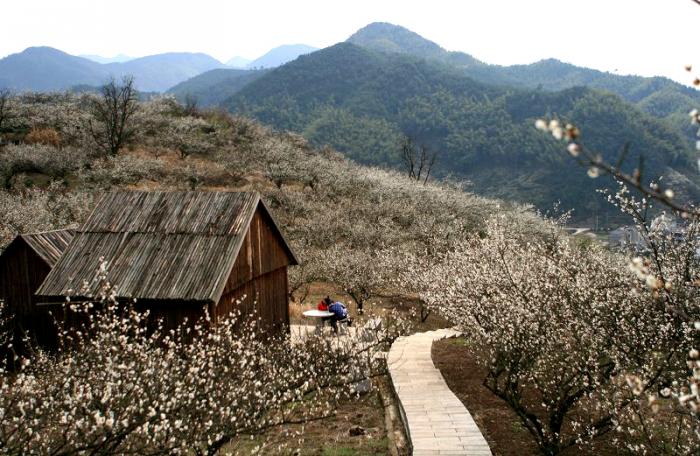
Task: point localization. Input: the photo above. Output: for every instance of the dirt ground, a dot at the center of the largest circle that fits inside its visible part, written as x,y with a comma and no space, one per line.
498,423
378,305
330,437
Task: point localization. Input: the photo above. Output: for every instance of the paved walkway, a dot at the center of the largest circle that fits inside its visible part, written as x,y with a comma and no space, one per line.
437,421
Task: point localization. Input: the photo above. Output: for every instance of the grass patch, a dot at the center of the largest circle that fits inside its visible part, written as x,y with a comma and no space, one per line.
458,341
328,437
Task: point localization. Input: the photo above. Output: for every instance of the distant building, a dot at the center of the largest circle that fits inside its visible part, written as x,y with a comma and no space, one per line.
631,237
627,237
179,253
24,265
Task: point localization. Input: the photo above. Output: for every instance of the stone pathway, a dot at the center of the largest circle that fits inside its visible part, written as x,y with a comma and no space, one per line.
437,421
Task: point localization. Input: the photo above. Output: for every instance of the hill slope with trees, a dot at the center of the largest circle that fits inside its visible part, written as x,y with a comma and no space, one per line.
213,87
597,336
362,103
658,96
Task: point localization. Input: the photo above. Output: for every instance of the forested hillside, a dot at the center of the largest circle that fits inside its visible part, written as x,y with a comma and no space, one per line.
50,180
658,96
215,86
386,83
362,102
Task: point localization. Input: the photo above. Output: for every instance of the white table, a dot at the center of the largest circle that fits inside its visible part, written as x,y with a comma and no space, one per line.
315,313
319,315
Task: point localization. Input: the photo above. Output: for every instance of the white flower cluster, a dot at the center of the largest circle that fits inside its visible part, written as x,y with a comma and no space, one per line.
561,333
122,384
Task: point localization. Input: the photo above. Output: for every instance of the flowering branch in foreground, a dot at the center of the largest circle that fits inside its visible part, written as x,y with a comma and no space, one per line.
572,340
597,165
120,385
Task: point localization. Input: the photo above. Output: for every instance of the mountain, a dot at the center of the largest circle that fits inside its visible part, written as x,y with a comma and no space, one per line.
659,96
213,87
238,62
390,38
48,69
281,55
157,73
361,101
120,58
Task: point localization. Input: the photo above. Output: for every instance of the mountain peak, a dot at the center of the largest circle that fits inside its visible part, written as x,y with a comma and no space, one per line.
386,37
281,55
42,51
395,39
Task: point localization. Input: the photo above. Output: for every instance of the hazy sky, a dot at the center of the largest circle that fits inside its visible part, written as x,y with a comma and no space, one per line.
646,37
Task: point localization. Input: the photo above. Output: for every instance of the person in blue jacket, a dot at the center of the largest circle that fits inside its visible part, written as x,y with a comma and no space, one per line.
340,314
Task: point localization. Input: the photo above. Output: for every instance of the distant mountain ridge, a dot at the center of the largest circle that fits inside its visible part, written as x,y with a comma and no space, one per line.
362,95
280,55
211,88
119,58
161,71
48,69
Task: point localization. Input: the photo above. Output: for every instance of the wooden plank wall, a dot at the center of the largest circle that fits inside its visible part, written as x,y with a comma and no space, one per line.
266,293
261,252
172,313
260,275
21,273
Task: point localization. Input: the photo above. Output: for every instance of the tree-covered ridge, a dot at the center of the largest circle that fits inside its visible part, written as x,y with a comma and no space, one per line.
361,102
658,96
213,87
390,38
600,345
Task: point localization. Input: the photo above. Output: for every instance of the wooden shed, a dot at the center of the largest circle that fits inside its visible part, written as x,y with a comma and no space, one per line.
177,253
24,265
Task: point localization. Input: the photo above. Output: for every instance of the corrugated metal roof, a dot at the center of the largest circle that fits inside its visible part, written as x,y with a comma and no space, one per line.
49,245
159,245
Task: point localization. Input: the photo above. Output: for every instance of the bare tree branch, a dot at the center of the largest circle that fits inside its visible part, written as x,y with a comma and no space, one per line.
113,111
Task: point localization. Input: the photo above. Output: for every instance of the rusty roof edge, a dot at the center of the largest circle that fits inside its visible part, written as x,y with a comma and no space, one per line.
54,300
275,227
219,290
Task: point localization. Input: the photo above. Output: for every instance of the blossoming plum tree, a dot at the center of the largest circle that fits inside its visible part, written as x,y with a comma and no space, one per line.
121,385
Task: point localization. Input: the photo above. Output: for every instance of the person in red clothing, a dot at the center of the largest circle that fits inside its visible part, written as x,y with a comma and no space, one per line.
323,305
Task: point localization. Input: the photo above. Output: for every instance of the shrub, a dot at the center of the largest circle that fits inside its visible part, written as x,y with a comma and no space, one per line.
38,158
45,136
41,210
123,170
